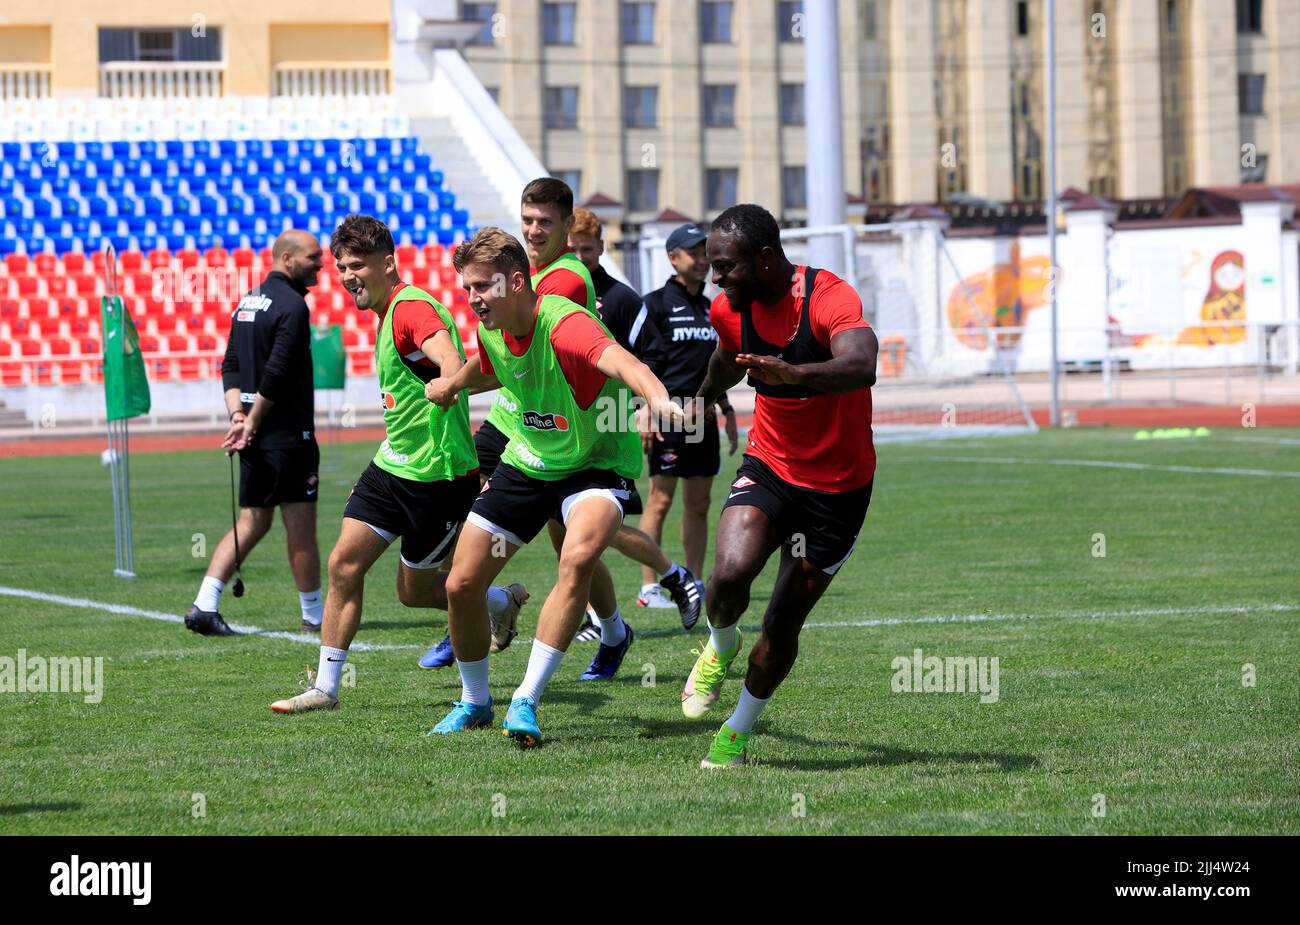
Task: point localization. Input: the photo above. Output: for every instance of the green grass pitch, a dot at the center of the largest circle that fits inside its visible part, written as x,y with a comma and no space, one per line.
1123,678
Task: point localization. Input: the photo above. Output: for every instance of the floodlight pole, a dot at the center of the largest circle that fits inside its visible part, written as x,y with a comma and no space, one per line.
1051,204
824,137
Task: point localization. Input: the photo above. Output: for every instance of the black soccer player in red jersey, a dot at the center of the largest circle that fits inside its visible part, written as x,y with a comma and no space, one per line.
805,482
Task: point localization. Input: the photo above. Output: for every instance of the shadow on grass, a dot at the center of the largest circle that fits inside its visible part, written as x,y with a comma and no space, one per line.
19,809
871,754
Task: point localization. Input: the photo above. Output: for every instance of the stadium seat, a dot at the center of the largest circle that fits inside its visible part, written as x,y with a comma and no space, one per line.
13,374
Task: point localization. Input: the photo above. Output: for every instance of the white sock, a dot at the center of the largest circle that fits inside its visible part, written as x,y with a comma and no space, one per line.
747,710
672,568
724,638
209,593
542,662
595,620
498,599
330,669
313,606
612,629
474,681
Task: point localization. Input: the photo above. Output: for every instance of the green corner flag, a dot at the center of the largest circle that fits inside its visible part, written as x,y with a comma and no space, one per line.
328,358
126,388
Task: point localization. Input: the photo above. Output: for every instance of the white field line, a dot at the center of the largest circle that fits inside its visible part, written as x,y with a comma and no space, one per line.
1104,464
172,618
1098,615
840,624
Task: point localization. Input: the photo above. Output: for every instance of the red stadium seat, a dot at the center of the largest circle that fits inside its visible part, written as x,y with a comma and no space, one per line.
69,306
89,346
148,344
141,283
216,256
9,308
206,342
190,369
407,256
189,257
27,285
46,264
159,370
244,257
13,374
159,258
60,347
81,327
178,343
74,262
433,254
16,264
29,347
72,372
98,261
7,348
361,363
132,261
19,327
265,256
36,308
84,284
195,324
42,373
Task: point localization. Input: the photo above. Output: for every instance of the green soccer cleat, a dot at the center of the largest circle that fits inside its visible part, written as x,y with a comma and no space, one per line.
728,749
704,685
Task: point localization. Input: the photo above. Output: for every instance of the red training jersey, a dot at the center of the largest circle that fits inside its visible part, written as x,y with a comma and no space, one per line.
578,341
561,282
824,441
414,322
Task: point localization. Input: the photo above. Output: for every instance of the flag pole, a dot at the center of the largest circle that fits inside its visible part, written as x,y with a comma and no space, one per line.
119,448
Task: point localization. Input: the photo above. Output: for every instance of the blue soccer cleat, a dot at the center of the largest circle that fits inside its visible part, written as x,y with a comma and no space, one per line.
521,722
607,660
440,656
464,716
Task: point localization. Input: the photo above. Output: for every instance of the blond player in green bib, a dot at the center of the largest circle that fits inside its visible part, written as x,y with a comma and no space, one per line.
572,459
424,477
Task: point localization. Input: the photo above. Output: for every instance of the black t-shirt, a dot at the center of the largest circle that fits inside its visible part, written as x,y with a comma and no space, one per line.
628,319
688,336
269,351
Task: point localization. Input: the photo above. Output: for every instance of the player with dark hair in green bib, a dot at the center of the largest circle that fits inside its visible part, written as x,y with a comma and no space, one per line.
424,477
572,459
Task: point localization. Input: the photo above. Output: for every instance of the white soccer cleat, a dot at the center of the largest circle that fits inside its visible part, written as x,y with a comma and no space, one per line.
653,596
504,623
310,699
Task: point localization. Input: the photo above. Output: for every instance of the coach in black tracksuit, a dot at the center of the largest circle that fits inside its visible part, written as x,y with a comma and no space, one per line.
270,398
680,310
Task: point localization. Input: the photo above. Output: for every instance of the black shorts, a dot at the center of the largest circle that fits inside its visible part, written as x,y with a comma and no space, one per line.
674,455
489,443
517,506
269,478
426,515
824,524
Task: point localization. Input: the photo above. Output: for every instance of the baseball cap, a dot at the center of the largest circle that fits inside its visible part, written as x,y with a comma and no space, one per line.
686,237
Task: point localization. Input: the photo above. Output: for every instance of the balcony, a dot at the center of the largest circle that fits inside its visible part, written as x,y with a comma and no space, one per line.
331,78
168,80
24,81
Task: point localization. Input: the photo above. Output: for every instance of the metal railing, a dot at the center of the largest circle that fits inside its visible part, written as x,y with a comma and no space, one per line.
364,78
24,81
169,80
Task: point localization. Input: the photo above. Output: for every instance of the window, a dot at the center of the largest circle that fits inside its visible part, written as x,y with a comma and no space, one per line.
1250,94
638,23
1171,16
118,44
557,23
789,21
792,104
720,188
495,93
1258,173
715,23
719,105
571,177
560,107
1250,16
480,12
794,188
1022,17
643,191
870,26
639,105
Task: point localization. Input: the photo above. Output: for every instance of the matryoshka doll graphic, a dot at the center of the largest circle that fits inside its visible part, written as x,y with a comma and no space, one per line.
1224,309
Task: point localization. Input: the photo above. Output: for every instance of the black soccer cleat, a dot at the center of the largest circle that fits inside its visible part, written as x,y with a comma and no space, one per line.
681,587
587,632
207,623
